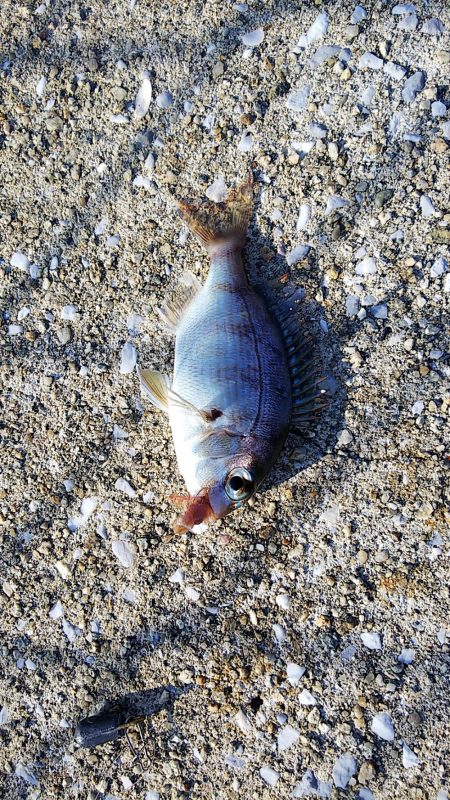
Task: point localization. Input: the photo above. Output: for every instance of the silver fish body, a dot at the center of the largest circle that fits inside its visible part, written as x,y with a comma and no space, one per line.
229,358
240,375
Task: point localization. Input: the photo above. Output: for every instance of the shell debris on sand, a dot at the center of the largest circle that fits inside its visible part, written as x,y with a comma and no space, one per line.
110,114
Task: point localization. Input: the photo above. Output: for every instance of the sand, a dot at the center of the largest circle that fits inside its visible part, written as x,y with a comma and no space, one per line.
302,643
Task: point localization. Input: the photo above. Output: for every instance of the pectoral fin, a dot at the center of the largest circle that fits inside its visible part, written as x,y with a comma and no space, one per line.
177,400
156,387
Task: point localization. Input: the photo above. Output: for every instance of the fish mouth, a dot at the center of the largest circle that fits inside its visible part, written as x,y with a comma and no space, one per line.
221,504
214,502
196,510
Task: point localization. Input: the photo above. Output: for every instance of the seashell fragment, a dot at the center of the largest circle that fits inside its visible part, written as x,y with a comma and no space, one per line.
143,98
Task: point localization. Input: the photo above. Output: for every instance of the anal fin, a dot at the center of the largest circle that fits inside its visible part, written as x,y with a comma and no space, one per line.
175,304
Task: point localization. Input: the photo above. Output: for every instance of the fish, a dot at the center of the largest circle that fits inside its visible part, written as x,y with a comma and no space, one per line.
243,372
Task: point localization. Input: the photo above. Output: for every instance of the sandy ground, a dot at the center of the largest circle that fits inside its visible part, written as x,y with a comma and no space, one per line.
286,631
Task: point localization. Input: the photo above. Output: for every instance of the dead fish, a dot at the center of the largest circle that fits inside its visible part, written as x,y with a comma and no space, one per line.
241,375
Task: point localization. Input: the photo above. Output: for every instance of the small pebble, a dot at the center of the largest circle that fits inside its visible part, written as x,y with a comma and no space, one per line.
304,216
40,88
143,98
56,611
438,109
15,330
426,206
403,8
294,673
64,335
297,254
352,305
317,31
69,313
283,601
123,485
359,15
371,640
63,569
438,268
366,267
334,202
128,358
298,100
72,632
243,722
383,197
409,758
178,576
345,437
306,698
394,71
287,737
407,656
379,311
362,557
20,261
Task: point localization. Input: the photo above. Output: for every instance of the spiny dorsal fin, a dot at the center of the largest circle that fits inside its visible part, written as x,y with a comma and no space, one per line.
218,223
284,298
156,387
173,308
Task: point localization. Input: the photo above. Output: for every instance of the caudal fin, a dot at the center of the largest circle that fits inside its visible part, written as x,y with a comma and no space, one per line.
215,223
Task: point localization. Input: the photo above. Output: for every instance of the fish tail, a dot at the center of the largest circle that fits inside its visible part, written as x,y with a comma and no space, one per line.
217,224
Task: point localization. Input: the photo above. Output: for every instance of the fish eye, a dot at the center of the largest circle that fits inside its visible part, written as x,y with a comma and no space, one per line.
239,484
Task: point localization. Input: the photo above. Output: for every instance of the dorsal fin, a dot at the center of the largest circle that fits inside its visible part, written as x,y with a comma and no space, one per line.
284,298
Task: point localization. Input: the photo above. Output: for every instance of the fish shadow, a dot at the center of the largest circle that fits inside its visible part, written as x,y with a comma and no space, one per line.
304,448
